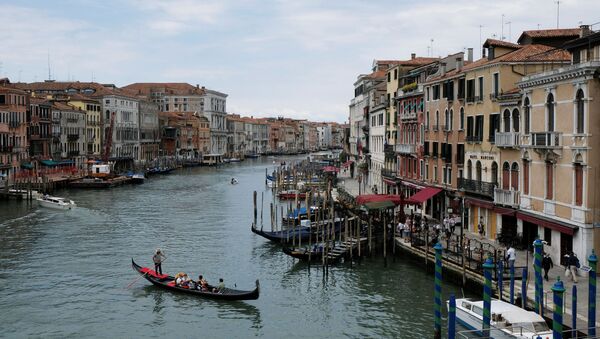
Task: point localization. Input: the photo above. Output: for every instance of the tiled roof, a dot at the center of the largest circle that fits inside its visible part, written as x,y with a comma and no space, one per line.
500,43
169,88
535,53
551,33
62,106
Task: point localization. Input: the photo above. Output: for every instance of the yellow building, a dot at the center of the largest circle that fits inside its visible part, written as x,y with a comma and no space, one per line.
92,110
486,80
559,152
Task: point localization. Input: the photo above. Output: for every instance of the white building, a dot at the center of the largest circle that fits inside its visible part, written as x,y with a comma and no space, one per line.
214,108
125,134
324,136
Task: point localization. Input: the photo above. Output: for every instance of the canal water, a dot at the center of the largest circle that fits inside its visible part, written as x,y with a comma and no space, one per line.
65,274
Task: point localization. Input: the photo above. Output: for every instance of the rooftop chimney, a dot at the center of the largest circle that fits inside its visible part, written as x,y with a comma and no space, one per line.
459,63
470,54
585,31
197,86
413,56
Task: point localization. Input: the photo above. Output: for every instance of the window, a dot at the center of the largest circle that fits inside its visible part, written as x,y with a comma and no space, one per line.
514,176
478,170
427,93
395,74
426,148
527,114
421,168
515,119
469,169
427,120
471,90
479,128
461,88
460,154
426,171
579,124
496,85
389,77
549,181
446,120
494,126
506,120
461,121
578,168
494,173
437,120
505,176
434,152
451,117
435,174
480,95
436,92
550,113
548,235
525,177
470,128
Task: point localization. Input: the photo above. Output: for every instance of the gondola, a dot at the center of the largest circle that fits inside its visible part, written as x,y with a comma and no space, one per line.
305,254
285,236
168,282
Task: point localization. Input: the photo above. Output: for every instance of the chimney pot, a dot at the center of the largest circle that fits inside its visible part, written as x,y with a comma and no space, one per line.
413,56
470,54
459,63
585,31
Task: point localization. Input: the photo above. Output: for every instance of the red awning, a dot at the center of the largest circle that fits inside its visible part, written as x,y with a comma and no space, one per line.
332,169
423,195
545,222
366,198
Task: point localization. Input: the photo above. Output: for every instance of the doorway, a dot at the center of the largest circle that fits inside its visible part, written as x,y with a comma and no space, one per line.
530,233
566,247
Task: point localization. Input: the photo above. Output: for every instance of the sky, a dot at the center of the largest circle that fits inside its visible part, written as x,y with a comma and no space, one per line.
296,58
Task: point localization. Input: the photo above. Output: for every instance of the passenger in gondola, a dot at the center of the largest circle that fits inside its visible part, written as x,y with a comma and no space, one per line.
220,288
201,283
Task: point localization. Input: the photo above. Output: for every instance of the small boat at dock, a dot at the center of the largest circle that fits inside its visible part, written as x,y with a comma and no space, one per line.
507,320
168,282
291,194
56,202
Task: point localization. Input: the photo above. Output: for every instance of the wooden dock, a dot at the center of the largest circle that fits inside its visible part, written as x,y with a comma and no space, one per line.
343,249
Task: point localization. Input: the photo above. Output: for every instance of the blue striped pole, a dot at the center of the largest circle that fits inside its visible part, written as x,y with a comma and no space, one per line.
539,284
437,310
524,289
452,317
557,318
512,284
574,310
488,266
593,260
500,279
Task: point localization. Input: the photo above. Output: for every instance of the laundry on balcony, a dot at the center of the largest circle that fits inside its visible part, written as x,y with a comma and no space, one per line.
423,195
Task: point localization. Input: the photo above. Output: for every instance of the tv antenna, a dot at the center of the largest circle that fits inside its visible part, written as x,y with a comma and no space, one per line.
502,29
557,12
509,30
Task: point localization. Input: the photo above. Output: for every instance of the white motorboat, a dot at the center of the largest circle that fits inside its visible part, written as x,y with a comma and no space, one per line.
56,202
507,320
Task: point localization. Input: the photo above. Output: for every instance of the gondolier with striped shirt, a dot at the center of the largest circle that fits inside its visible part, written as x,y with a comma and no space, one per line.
158,259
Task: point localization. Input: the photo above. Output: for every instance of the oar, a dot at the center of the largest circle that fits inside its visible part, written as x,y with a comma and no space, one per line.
136,279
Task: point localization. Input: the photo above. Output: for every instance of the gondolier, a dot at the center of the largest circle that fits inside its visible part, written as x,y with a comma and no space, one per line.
157,258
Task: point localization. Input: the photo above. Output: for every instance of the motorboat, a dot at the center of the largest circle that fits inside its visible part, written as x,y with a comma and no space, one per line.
138,178
234,181
56,202
234,160
507,320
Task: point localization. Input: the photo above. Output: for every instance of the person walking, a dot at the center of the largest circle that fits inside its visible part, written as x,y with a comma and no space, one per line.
511,256
158,258
547,264
572,266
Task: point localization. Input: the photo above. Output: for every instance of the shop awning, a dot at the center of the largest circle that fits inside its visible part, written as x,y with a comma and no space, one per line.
379,205
548,223
27,165
423,195
369,198
50,163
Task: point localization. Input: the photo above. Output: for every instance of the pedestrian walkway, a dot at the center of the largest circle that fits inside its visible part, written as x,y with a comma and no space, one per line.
351,185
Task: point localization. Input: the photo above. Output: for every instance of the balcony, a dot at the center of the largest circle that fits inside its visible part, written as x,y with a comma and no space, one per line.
72,120
506,197
508,139
477,187
474,138
73,153
72,137
546,140
388,150
406,148
14,124
388,173
408,116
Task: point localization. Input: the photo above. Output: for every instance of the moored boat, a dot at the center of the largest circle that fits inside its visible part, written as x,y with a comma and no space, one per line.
56,202
138,178
291,194
168,282
507,320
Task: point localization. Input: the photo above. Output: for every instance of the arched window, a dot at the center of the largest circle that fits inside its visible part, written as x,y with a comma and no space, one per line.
427,120
580,112
527,114
578,169
469,169
550,110
506,120
446,120
505,176
451,119
514,176
515,119
478,171
494,173
437,119
549,180
462,118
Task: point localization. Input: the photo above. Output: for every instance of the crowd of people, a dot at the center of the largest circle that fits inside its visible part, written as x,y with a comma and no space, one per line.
183,280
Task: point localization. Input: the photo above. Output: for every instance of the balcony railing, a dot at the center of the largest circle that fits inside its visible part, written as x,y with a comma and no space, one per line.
406,148
408,116
388,173
508,139
506,197
474,138
546,140
72,137
477,187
